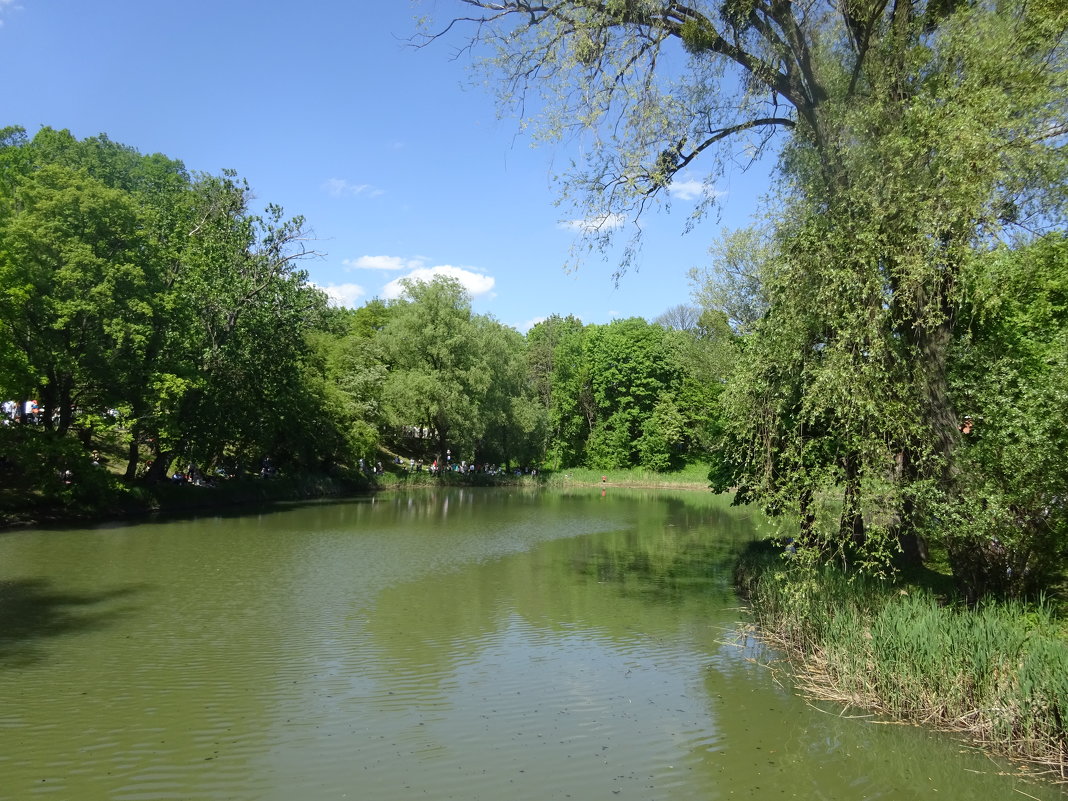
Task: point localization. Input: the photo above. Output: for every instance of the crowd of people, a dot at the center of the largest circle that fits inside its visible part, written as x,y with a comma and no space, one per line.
12,411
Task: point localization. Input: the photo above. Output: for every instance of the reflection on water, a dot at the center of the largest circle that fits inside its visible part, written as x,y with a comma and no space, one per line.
461,644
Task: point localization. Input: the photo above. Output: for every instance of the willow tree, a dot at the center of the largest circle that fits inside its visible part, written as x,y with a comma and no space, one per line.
911,133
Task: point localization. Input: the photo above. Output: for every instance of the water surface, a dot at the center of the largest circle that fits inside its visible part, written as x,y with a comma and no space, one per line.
467,644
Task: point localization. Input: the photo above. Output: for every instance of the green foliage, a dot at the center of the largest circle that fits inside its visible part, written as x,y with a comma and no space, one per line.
1008,533
456,381
843,398
559,374
663,436
734,284
629,393
129,285
631,366
78,286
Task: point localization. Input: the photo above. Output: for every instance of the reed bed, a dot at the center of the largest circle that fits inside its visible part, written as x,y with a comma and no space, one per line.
997,673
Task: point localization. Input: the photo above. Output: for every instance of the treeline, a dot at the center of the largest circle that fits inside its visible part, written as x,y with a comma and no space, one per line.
151,311
425,374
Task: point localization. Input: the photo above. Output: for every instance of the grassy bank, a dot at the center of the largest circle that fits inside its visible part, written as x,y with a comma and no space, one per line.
690,477
997,673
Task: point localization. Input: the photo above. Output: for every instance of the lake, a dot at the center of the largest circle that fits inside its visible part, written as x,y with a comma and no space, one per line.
435,644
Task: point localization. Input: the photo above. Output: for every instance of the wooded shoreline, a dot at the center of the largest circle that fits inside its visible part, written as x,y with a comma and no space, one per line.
166,498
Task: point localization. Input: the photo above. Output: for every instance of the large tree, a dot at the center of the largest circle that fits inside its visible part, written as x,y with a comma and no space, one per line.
84,228
457,377
239,308
635,369
914,132
437,378
1009,373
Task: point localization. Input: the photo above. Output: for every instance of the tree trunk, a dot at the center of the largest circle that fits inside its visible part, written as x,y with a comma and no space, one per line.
808,519
66,406
133,453
851,528
161,464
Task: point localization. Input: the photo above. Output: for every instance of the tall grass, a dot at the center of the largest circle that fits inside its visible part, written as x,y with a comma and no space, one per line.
997,672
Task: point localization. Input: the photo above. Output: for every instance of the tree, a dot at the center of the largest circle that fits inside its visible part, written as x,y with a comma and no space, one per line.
352,370
127,286
680,317
514,423
80,278
435,381
239,308
633,369
914,133
457,377
734,284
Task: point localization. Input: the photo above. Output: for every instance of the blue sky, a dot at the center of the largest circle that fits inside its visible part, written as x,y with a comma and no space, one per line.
399,166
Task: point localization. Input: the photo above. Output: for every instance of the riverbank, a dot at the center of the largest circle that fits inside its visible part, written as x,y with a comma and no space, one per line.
996,674
104,496
693,477
109,498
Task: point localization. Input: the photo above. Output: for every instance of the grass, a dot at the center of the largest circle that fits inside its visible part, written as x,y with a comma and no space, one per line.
694,476
997,673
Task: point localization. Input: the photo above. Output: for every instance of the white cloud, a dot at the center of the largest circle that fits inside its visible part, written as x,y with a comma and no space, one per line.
475,283
344,294
692,189
594,224
382,263
524,327
340,187
8,5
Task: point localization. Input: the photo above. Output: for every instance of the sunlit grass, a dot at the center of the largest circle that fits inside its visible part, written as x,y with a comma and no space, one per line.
691,475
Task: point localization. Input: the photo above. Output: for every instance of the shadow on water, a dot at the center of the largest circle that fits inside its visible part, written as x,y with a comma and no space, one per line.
693,551
32,611
192,512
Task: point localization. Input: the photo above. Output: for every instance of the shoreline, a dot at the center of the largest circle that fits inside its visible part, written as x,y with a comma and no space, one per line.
992,675
140,501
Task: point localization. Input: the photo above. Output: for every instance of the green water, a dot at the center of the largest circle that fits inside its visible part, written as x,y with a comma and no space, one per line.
490,644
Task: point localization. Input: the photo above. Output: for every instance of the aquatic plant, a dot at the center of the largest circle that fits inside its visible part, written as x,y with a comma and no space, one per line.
997,672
